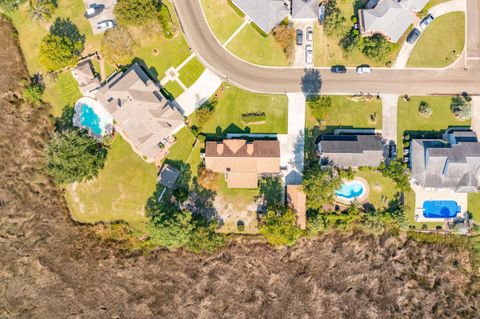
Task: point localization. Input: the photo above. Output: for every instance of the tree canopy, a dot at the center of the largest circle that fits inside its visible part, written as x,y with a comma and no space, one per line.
280,228
398,172
319,105
137,12
41,9
320,185
118,45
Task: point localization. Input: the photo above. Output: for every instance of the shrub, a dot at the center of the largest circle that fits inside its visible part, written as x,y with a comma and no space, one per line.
137,12
33,93
207,179
334,23
461,108
425,109
254,118
319,105
118,45
280,228
166,22
10,5
285,36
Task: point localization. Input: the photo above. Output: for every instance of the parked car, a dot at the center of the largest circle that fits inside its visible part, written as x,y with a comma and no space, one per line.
93,10
426,21
309,34
392,150
413,36
105,25
364,69
321,12
308,54
299,36
338,69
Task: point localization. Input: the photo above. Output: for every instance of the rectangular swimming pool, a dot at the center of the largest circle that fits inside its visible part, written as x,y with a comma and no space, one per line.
440,209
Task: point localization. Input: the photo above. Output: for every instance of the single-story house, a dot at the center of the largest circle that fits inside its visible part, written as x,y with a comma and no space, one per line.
242,161
351,150
297,199
305,9
450,164
87,81
391,18
140,111
266,14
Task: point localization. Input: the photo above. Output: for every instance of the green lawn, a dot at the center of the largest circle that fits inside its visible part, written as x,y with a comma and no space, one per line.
382,189
474,205
222,18
252,47
191,72
117,193
410,120
63,91
174,88
185,150
441,43
233,102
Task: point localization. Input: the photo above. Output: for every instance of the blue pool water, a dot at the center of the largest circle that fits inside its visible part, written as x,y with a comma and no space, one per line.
350,190
440,209
90,119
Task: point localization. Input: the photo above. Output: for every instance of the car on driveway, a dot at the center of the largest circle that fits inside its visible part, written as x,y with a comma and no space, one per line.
338,69
308,54
105,25
426,21
364,69
309,34
93,10
413,36
299,36
392,150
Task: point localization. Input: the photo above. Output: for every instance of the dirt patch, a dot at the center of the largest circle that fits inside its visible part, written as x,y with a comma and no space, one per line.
52,267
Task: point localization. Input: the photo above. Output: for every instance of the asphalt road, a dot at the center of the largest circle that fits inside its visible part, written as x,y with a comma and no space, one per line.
287,79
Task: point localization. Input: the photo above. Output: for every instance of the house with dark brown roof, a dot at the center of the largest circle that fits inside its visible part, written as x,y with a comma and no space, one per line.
242,161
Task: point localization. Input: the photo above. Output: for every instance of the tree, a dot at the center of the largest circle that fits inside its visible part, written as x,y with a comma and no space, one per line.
271,192
73,156
285,36
41,9
137,12
118,45
33,93
320,185
319,105
425,109
461,108
334,23
280,228
9,5
398,172
205,112
173,229
377,47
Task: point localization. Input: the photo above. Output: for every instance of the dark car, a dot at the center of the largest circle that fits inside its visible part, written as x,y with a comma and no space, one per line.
413,36
338,69
299,36
93,10
392,150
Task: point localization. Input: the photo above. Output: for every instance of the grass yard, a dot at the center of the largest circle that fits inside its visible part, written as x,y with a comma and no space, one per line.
191,72
382,189
222,18
233,102
120,191
174,88
410,120
182,148
410,213
441,43
61,92
252,47
474,206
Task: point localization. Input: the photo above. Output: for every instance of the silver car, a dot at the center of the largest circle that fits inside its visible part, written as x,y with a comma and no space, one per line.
308,54
105,25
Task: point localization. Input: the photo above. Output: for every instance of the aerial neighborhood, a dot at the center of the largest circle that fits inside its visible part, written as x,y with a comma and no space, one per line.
282,118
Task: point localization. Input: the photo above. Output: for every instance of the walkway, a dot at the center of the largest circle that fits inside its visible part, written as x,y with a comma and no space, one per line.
235,33
436,11
389,116
476,114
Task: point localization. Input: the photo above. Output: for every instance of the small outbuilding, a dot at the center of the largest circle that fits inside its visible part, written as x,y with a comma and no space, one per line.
297,199
168,176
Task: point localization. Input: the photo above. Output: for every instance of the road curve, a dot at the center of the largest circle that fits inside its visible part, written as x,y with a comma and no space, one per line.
287,79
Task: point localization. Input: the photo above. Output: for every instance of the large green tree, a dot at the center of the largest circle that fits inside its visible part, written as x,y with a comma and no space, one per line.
280,228
320,185
118,45
137,12
377,47
73,155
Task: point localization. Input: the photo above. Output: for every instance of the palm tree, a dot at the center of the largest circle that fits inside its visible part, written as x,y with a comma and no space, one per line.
41,9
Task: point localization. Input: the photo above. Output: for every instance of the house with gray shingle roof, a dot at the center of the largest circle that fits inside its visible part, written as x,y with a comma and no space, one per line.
140,111
305,9
351,150
450,164
266,14
391,18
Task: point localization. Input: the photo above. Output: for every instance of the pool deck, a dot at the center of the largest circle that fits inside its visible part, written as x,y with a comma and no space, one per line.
361,199
422,195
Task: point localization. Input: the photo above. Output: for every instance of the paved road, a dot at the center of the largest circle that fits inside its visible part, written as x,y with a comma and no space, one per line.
280,80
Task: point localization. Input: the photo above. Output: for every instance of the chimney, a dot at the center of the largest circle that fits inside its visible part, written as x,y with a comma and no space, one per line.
220,148
250,148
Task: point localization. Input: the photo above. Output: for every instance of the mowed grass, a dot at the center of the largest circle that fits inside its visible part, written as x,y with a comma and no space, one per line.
252,47
120,191
191,72
382,189
441,43
185,150
174,88
233,102
222,18
61,92
474,206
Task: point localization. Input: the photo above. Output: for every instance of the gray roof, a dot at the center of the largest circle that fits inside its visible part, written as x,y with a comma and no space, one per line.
267,14
140,109
439,164
305,9
86,79
168,176
352,150
390,17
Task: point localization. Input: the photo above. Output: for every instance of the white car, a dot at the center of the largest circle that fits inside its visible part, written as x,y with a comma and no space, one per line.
426,21
105,25
309,34
364,69
308,54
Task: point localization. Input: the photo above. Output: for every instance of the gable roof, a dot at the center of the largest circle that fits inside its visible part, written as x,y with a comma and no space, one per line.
352,150
140,109
87,81
266,14
305,9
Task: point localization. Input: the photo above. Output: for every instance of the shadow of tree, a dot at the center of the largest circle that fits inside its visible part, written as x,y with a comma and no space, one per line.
66,28
311,82
270,192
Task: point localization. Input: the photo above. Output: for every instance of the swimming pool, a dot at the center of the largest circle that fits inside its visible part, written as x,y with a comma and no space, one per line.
91,115
90,120
440,209
351,190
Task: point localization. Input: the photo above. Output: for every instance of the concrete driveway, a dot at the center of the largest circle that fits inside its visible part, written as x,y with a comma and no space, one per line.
106,14
299,56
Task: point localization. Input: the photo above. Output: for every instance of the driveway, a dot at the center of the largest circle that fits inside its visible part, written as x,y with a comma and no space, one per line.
299,56
106,14
389,116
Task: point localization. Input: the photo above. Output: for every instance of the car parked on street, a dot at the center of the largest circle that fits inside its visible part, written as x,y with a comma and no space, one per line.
426,21
309,34
413,36
364,69
105,25
93,10
299,36
309,54
338,69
